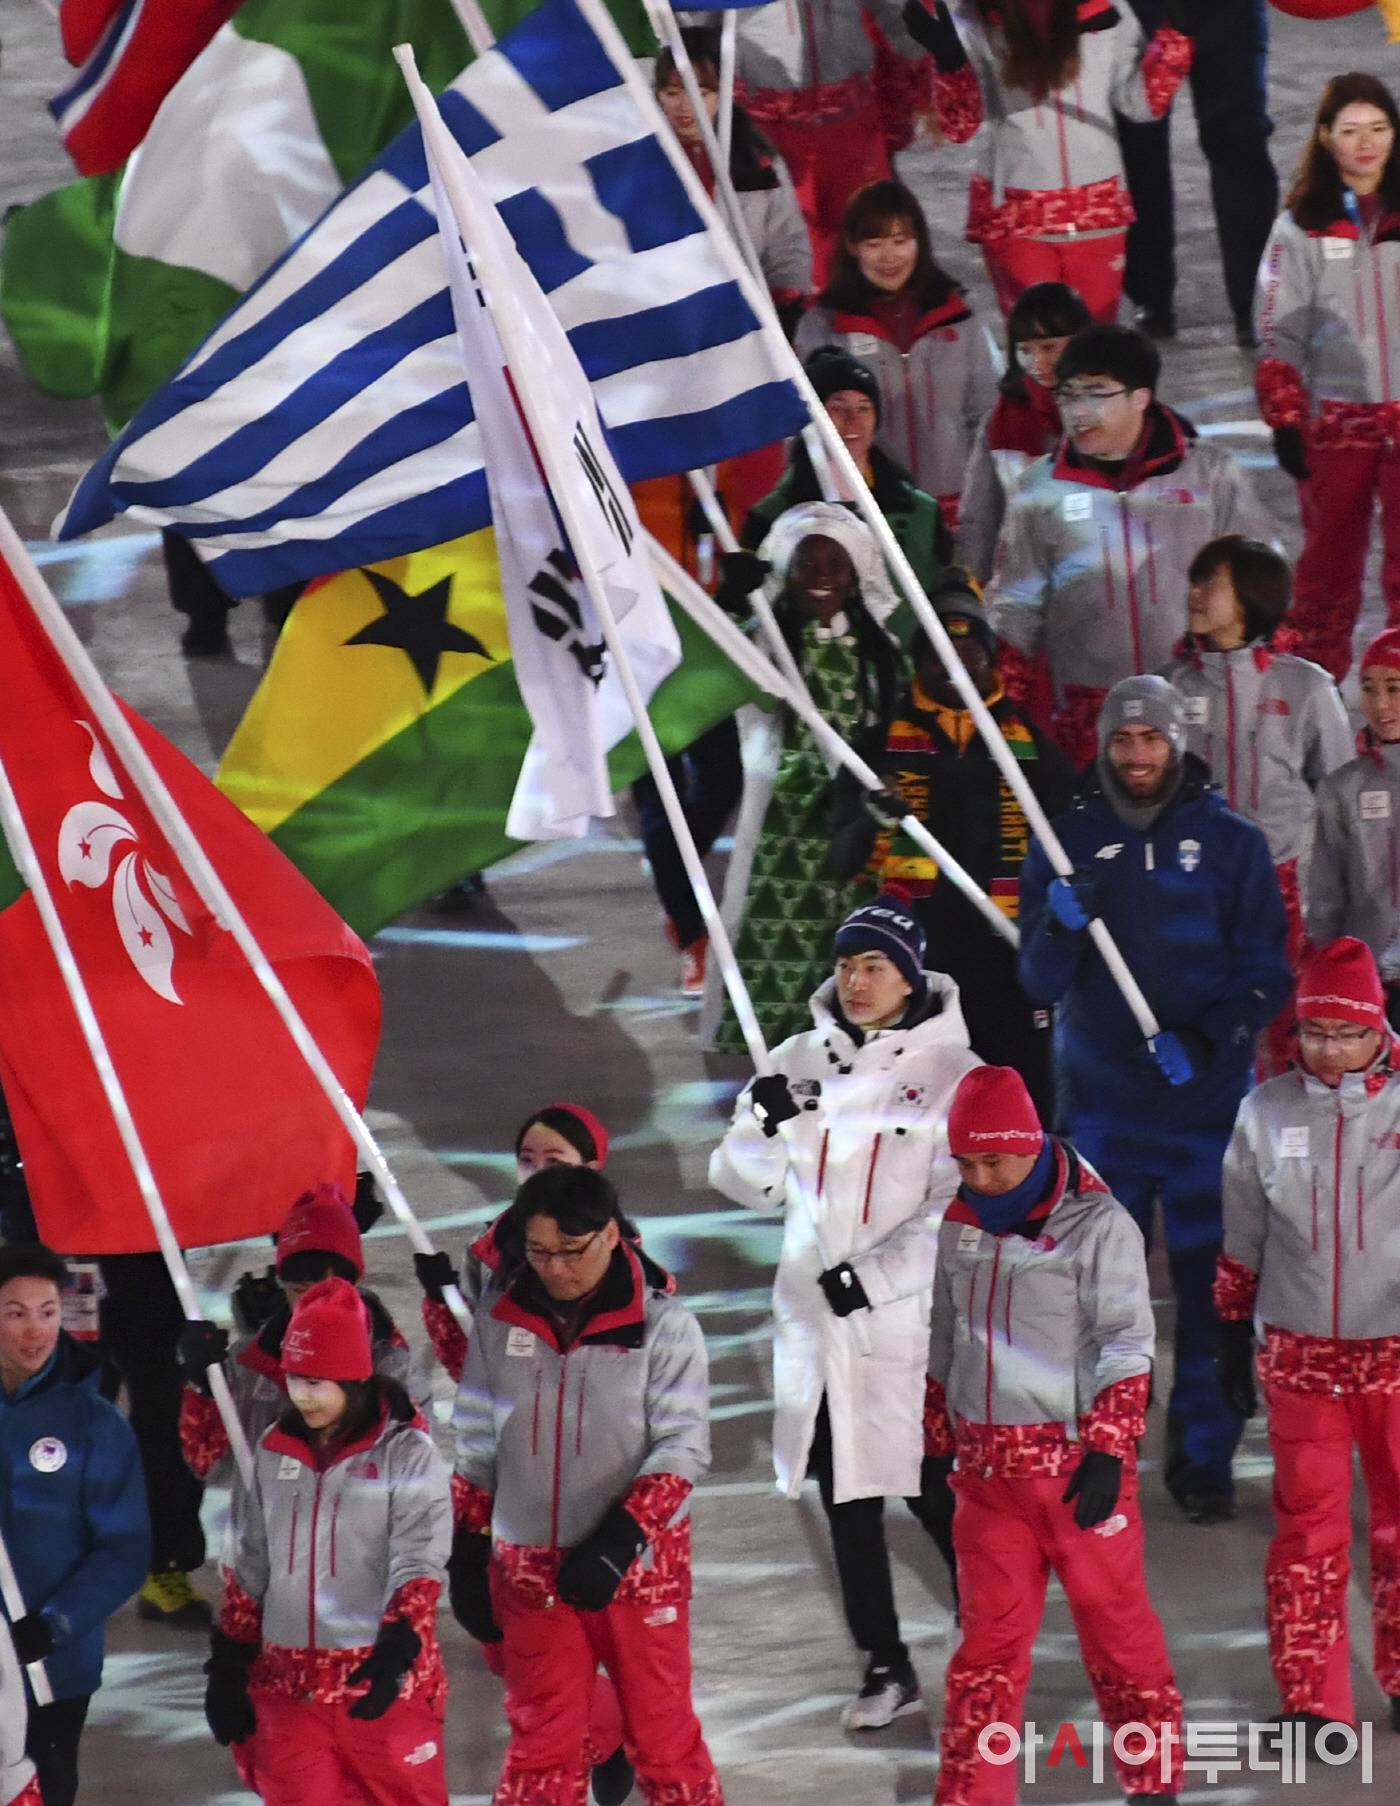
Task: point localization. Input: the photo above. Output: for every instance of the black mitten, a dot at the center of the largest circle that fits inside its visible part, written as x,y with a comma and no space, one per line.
1094,1486
394,1653
590,1575
1234,1362
930,23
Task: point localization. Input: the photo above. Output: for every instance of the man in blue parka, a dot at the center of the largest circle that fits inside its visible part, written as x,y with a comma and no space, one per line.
1188,892
72,1506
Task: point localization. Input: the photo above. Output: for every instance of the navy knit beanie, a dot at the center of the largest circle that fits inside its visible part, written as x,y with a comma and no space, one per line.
885,926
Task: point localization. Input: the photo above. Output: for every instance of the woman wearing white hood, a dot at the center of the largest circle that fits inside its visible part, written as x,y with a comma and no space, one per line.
864,1175
831,594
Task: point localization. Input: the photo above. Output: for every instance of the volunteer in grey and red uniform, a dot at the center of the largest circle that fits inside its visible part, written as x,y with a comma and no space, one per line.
319,1239
1312,1245
581,1427
1268,724
1328,318
325,1671
1040,1363
1092,563
557,1135
1041,81
1349,870
865,1093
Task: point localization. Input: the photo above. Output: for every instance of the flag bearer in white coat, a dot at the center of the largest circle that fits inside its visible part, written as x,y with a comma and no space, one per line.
1040,1360
1312,1243
863,1175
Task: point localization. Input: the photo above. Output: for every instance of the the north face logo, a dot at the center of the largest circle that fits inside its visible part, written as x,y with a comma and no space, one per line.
424,1753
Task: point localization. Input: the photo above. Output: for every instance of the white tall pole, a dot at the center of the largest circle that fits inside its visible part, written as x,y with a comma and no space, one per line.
728,62
15,1609
561,474
602,23
17,838
210,886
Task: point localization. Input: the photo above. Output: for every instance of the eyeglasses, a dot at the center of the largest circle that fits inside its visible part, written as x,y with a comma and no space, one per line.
1094,398
1346,1038
562,1257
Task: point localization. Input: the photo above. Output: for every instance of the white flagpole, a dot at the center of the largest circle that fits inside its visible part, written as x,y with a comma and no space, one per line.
791,689
561,474
213,892
15,1609
16,833
599,18
728,60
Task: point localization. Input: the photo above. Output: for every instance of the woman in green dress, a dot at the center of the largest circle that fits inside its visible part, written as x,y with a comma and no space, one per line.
831,595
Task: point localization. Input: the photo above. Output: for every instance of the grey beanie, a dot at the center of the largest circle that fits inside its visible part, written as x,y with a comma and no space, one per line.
1144,702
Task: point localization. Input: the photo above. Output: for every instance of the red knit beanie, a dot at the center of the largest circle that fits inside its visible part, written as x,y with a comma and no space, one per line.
992,1113
328,1336
1383,650
1340,983
322,1220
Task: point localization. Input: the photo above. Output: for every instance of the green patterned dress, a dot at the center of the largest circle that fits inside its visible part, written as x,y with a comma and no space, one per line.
794,907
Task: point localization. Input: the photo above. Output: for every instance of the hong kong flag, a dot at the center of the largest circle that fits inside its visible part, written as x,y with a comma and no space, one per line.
233,1121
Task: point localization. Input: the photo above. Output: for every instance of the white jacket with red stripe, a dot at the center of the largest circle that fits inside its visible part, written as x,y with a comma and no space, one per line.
871,1150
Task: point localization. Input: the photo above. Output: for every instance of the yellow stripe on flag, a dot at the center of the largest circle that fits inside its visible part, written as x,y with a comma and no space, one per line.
326,702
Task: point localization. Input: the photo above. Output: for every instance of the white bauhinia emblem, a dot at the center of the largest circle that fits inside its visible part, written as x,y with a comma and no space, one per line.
96,841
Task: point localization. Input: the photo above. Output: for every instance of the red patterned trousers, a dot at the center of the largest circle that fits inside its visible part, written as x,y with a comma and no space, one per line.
828,161
551,1657
1338,501
1276,1044
1312,1435
1009,1536
308,1754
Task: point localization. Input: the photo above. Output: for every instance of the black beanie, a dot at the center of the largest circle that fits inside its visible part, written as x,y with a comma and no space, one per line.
829,368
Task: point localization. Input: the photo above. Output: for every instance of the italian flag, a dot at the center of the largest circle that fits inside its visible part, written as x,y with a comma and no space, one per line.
107,284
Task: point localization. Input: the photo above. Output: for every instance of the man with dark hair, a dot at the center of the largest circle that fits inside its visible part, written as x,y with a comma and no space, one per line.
72,1506
1091,568
936,765
1187,890
1229,91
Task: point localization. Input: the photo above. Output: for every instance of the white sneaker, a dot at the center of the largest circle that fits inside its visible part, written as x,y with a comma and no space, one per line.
888,1693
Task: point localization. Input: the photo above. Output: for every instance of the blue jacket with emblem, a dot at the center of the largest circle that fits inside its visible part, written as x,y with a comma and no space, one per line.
1194,906
72,1509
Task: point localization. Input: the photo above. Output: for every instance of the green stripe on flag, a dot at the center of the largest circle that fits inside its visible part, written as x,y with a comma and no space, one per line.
429,807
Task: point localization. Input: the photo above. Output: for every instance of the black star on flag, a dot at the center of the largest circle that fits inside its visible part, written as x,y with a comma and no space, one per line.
417,625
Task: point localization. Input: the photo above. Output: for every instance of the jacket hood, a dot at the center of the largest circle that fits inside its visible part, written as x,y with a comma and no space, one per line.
618,1314
941,1024
1074,1187
72,1363
1196,783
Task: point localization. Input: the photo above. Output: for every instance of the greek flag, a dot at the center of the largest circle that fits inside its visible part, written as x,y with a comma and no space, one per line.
325,424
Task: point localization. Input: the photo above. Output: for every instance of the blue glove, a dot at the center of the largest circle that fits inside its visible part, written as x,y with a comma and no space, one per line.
1179,1057
1073,901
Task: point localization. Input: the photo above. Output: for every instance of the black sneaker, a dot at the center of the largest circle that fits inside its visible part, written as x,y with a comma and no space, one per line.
1206,1506
888,1693
206,638
1157,322
1394,1712
612,1780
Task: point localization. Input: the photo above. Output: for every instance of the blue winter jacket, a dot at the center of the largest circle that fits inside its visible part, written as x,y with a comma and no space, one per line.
72,1509
1194,906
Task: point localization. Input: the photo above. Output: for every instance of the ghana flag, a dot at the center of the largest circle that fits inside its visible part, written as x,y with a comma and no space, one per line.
382,748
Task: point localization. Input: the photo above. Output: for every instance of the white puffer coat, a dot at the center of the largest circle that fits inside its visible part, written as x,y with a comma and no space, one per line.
872,1156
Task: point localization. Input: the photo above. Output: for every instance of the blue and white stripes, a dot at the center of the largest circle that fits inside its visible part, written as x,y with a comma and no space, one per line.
325,423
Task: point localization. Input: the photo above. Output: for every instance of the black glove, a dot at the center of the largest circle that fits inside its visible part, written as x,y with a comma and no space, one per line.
33,1637
256,1299
469,1585
434,1272
884,807
740,574
932,26
1094,1486
844,1292
394,1653
227,1707
1234,1362
771,1101
368,1206
1291,450
200,1347
590,1575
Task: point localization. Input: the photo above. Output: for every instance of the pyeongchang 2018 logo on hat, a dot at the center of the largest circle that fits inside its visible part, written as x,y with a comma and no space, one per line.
296,1342
1035,1135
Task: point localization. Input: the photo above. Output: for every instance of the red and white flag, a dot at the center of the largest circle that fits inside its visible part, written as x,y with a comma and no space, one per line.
233,1122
